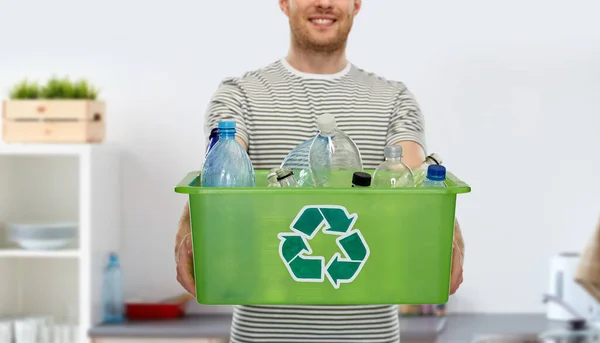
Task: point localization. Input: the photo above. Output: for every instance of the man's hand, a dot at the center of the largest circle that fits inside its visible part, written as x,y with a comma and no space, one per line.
413,155
183,246
458,246
183,253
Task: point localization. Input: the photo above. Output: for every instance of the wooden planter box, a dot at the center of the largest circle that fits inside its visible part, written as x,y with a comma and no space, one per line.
53,121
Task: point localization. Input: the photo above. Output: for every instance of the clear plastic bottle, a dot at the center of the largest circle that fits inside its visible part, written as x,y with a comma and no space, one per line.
113,306
297,161
213,139
228,164
333,156
436,175
272,178
285,177
393,173
421,171
361,179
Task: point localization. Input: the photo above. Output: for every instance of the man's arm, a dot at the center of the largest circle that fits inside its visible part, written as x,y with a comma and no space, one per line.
413,156
413,153
407,129
228,103
458,258
183,254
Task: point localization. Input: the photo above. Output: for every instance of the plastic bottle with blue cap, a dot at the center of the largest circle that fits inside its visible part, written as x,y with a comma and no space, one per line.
113,306
421,171
228,163
436,176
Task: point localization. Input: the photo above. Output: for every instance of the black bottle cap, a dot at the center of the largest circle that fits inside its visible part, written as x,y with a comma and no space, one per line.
577,324
361,179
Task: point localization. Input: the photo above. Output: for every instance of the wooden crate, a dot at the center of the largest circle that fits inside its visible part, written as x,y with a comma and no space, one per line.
54,121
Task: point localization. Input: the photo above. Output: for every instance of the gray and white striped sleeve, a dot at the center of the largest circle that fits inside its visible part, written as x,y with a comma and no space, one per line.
228,103
407,122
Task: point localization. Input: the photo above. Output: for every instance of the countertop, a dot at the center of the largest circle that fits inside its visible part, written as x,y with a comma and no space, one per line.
464,328
450,329
218,326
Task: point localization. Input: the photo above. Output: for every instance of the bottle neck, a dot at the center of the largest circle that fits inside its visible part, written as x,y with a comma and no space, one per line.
227,134
328,133
394,159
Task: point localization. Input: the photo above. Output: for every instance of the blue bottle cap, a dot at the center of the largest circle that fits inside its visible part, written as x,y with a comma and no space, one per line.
113,257
436,172
224,125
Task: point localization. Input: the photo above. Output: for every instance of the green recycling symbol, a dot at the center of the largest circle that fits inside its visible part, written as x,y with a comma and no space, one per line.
295,251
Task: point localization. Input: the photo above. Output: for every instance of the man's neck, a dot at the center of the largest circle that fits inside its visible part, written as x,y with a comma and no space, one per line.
317,63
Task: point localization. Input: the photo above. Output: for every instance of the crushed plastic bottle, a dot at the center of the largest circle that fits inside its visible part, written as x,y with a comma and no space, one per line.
285,178
436,176
393,173
333,155
272,178
297,161
228,164
421,171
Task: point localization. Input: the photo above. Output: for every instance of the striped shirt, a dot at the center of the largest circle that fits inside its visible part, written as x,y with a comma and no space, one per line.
275,109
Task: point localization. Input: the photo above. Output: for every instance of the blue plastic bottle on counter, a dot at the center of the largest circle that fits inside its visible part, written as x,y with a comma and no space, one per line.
228,164
113,306
436,175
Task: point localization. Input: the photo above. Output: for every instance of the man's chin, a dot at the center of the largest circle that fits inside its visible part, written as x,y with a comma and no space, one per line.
326,45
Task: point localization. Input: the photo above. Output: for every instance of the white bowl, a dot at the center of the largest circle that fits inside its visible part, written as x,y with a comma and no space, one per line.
42,236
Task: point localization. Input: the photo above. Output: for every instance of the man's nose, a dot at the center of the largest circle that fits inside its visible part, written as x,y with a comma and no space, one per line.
324,3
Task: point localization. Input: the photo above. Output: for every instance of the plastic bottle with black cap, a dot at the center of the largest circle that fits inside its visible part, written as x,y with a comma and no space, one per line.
361,179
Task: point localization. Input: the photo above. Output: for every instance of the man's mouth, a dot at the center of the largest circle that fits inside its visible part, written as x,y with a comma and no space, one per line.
322,21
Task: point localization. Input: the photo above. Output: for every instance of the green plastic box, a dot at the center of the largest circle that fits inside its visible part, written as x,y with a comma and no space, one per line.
321,246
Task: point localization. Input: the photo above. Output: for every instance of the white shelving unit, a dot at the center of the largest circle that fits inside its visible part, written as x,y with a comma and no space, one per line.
59,182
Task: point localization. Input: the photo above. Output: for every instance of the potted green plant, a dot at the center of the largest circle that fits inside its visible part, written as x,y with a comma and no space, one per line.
60,110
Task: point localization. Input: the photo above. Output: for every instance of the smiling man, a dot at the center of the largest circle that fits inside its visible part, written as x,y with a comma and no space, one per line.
275,109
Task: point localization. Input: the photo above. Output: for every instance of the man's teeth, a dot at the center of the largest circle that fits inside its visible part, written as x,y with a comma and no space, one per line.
322,21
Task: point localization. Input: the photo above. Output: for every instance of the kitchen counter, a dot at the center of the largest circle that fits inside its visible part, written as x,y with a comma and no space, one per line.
456,328
190,326
218,325
464,328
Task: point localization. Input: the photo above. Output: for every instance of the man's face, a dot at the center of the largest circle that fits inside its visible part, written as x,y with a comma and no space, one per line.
320,25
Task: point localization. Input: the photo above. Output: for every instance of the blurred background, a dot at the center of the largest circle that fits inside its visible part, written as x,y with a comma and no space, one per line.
509,91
